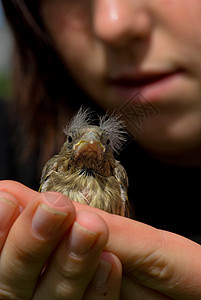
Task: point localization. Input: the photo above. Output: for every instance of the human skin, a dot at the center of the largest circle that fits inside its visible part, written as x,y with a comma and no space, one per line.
157,265
30,232
99,40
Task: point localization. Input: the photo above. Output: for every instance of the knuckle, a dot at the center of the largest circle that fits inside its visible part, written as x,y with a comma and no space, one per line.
65,291
74,268
7,293
74,273
155,266
20,260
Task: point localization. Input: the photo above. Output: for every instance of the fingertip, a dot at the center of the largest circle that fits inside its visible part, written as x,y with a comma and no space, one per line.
58,201
8,196
20,192
111,258
92,222
107,278
114,261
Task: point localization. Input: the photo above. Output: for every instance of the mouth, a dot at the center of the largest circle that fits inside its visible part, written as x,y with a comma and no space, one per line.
139,80
89,149
153,85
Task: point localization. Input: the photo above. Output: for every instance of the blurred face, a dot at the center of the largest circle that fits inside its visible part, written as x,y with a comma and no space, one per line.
116,48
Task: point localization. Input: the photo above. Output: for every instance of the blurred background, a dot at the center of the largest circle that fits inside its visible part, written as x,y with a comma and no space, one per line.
5,57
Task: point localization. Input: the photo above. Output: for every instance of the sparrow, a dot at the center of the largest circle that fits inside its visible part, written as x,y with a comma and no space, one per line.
85,170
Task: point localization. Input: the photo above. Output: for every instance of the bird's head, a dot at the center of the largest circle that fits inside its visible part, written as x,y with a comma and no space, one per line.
90,147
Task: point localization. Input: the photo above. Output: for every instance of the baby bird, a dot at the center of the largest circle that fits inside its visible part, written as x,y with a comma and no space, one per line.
85,170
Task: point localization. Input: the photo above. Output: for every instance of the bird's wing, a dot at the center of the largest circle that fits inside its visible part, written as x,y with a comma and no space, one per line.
50,166
121,176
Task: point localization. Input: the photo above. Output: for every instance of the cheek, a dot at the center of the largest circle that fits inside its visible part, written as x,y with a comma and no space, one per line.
61,15
178,33
69,24
182,18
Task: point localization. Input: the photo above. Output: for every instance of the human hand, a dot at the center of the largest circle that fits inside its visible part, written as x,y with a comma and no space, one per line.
50,252
157,264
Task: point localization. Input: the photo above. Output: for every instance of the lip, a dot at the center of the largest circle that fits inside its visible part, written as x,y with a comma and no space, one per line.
153,85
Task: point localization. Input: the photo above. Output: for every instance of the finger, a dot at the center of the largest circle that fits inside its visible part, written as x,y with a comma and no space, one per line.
131,289
106,282
30,242
21,193
74,263
160,260
9,211
157,259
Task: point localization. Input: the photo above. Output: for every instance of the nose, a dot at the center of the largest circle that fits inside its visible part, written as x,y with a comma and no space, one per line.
118,21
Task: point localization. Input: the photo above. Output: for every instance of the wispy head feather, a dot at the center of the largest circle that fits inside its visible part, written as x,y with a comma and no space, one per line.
114,126
81,119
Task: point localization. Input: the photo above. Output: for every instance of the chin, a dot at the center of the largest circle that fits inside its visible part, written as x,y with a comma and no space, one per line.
177,149
170,134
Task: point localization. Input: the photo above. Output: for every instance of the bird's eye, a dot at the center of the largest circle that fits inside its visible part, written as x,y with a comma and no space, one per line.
70,139
107,141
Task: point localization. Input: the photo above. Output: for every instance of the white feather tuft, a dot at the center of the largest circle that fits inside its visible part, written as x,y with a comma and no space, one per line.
112,125
115,127
80,120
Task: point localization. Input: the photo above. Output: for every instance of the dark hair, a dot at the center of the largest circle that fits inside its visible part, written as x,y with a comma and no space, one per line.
44,92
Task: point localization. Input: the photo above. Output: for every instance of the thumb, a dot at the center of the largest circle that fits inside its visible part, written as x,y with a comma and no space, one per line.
157,259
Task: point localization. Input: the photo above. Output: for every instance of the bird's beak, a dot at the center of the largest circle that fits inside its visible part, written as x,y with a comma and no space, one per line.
89,145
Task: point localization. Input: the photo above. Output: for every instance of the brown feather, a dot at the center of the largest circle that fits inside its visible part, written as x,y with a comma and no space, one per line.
85,170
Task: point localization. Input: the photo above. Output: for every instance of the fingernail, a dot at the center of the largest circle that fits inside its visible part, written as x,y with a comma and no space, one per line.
7,211
81,240
56,199
102,274
47,220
